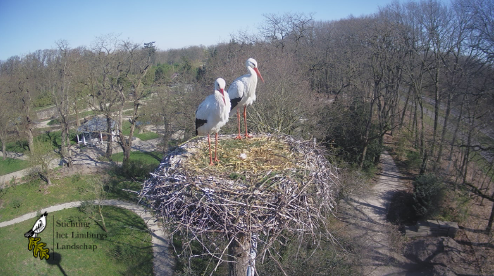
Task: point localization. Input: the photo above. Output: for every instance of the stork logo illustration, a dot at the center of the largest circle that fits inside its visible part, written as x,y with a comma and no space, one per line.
35,243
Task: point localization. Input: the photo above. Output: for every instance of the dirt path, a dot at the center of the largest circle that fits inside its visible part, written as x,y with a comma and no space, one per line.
162,261
365,216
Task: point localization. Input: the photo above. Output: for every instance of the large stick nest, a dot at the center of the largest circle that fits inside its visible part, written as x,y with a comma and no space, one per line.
264,185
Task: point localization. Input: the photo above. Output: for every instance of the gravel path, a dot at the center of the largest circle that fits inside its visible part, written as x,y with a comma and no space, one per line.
162,261
366,217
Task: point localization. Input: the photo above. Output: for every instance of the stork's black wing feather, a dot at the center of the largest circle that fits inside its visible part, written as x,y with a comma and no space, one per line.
234,102
199,123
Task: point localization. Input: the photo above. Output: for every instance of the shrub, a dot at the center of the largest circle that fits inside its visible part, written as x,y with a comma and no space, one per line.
413,160
428,192
134,169
16,203
344,131
43,99
54,122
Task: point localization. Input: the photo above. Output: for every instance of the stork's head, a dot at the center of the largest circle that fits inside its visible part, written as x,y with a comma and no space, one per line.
252,63
219,85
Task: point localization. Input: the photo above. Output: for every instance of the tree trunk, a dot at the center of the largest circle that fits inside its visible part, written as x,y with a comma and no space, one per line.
436,112
403,114
455,133
240,255
125,143
367,129
77,116
109,148
30,137
65,147
443,133
491,219
100,209
423,151
45,177
4,149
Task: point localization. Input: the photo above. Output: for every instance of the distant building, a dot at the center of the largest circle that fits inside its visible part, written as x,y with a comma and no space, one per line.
94,131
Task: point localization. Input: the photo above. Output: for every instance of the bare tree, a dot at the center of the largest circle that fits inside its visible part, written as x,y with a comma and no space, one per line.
22,76
106,82
61,83
134,66
7,116
41,158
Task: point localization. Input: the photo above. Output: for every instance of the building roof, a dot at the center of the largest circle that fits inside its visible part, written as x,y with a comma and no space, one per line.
96,124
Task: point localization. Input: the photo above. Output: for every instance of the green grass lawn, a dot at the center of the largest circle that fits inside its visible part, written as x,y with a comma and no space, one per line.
151,158
34,195
124,250
12,165
143,136
147,136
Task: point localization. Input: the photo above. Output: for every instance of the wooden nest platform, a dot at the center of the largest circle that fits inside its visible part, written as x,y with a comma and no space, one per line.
262,186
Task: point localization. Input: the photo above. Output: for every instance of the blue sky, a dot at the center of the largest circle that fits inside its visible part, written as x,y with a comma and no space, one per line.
30,25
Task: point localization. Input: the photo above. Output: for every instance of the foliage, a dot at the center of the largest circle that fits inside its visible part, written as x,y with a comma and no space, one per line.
54,122
44,99
41,157
457,207
353,181
428,193
413,160
55,138
305,256
153,157
20,146
344,134
164,73
136,169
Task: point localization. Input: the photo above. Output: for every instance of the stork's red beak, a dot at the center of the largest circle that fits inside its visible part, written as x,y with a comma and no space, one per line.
223,94
259,74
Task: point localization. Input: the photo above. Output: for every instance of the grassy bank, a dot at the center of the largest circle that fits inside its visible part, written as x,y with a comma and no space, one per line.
10,165
35,195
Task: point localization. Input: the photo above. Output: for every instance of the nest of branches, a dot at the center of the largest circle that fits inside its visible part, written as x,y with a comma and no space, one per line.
264,186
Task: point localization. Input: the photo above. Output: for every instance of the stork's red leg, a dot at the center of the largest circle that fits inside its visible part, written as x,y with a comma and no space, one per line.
238,119
210,156
215,147
245,123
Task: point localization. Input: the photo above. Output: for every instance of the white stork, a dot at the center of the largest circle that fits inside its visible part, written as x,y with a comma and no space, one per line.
38,227
242,92
212,114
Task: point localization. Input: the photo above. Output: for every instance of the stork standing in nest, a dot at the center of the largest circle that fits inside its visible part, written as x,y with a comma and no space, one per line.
212,114
242,92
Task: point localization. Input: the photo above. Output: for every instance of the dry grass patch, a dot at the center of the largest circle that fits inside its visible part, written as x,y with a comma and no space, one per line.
244,157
